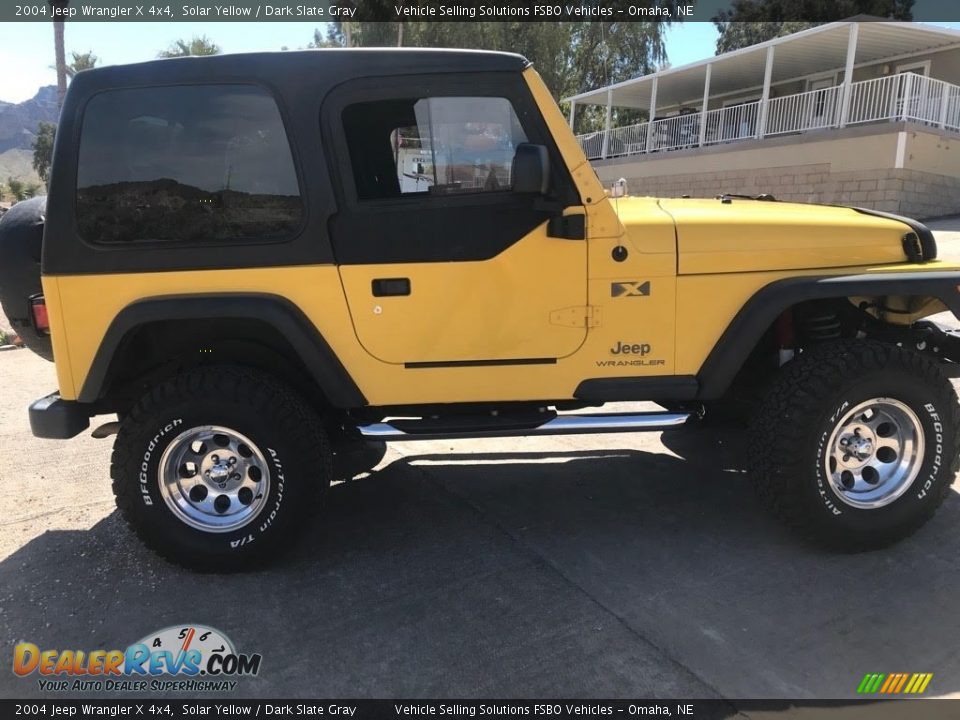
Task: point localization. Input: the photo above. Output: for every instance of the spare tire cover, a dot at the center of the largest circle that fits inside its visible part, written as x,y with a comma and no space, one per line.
21,241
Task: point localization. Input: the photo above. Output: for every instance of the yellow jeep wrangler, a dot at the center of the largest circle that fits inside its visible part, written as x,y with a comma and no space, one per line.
254,260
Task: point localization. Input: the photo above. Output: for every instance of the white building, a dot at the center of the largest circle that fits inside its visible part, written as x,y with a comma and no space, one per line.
862,113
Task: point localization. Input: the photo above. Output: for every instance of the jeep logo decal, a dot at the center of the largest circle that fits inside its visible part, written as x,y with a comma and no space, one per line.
630,289
622,348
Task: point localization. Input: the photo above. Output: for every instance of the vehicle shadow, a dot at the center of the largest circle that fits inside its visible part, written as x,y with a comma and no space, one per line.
604,573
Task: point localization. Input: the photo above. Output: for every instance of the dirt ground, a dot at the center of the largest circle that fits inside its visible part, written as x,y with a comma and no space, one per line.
632,565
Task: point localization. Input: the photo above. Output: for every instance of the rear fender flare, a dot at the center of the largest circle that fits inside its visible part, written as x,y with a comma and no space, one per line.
312,349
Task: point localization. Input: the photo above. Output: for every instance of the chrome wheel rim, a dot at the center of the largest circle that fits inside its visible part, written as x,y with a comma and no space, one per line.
214,479
874,453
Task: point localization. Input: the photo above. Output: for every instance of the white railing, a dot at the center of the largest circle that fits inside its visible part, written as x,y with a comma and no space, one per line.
902,97
737,122
627,140
804,111
592,144
923,99
952,118
879,99
933,102
680,131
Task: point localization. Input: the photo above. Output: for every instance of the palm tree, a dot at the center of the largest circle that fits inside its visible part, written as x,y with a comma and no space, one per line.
197,45
81,62
58,7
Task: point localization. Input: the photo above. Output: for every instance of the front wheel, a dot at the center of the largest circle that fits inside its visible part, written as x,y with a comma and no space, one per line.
856,444
216,468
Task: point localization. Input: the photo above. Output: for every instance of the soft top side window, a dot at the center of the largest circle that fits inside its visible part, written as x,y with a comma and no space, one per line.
192,163
431,146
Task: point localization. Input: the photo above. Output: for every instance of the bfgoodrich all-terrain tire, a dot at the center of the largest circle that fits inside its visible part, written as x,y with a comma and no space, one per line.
215,469
856,443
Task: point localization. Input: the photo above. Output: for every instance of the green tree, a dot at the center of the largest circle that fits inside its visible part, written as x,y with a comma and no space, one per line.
749,22
81,62
197,45
571,56
43,150
735,34
323,41
31,190
60,59
16,188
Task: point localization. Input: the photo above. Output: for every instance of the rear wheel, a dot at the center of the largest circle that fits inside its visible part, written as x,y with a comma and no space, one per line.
216,469
856,443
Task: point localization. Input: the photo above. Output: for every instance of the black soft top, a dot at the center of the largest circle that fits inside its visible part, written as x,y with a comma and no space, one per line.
326,64
299,81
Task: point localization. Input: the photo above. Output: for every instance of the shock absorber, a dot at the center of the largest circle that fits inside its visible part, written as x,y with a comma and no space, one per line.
786,337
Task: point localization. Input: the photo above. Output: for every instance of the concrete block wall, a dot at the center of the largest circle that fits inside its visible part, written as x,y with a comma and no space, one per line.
895,168
906,192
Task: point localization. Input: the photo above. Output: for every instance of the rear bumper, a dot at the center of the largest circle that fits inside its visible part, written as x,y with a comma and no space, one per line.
55,418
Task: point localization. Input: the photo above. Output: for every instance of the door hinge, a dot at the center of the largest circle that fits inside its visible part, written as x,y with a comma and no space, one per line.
577,316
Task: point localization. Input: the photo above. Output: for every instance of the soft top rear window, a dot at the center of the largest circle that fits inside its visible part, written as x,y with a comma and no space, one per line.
190,164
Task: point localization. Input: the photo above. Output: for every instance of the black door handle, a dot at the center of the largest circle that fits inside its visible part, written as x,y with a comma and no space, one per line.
382,287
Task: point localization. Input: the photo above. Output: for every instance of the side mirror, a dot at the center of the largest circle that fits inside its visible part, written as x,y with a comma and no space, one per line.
531,169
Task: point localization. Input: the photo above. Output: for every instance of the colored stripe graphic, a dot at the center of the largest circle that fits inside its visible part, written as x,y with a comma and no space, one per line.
918,683
871,682
891,681
894,683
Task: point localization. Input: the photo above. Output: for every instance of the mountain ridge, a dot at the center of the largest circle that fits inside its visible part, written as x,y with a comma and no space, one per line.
18,121
18,127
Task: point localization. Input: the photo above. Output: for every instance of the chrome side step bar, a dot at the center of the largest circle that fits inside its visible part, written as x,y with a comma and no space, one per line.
560,425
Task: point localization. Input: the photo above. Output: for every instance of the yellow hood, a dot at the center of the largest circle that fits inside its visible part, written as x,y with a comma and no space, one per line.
749,235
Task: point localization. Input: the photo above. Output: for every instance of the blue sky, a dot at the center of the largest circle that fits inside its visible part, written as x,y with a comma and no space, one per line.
26,49
690,41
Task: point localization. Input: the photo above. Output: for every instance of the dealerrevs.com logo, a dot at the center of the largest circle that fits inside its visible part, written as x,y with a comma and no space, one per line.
181,657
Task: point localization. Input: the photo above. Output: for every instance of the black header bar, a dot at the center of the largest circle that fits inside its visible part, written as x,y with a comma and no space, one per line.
318,11
165,707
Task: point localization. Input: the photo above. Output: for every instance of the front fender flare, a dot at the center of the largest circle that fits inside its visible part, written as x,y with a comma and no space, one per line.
759,312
